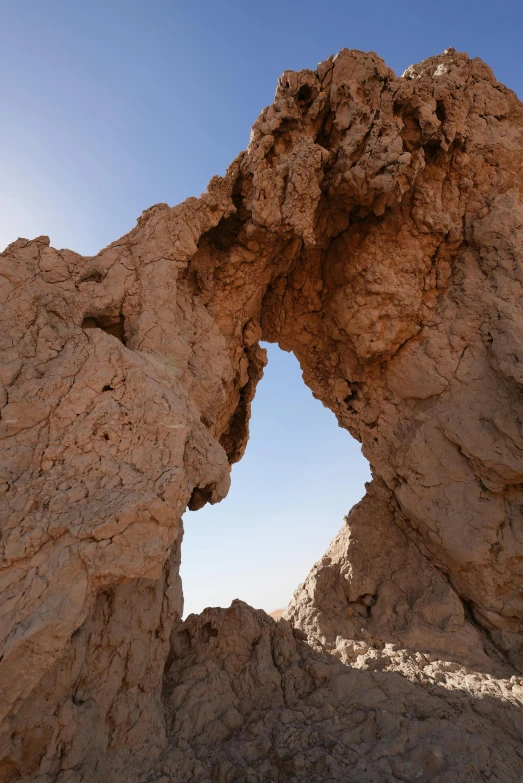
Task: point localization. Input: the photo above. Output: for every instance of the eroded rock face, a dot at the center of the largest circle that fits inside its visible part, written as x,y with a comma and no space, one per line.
247,699
374,227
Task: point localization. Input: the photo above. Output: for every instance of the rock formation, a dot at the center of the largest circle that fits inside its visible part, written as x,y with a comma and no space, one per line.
374,227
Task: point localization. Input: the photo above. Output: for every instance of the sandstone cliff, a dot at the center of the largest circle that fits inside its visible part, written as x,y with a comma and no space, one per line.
374,227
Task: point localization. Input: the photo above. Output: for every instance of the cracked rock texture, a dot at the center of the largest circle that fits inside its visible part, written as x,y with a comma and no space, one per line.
374,227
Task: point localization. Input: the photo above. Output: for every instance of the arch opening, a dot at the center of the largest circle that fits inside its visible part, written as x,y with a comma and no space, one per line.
301,473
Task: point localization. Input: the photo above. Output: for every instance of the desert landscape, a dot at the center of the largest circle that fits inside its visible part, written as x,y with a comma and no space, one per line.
373,227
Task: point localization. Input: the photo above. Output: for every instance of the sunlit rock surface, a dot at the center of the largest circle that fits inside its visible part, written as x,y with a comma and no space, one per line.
374,227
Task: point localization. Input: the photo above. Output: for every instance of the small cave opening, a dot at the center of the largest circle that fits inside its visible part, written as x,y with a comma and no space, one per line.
110,324
305,96
299,477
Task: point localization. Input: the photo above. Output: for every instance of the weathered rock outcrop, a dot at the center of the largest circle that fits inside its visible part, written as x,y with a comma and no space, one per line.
247,699
374,227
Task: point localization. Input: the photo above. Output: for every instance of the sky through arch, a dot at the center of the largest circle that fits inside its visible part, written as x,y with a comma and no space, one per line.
300,475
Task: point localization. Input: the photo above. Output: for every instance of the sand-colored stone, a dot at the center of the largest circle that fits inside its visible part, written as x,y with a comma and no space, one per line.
374,227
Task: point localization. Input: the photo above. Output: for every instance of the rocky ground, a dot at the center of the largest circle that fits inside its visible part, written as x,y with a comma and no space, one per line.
248,699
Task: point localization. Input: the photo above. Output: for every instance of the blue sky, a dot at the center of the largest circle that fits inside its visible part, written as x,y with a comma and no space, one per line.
300,475
109,106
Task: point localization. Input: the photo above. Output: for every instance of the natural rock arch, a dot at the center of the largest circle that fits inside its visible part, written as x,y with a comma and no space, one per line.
373,227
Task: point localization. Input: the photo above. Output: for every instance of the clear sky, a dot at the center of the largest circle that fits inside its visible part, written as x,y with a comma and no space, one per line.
300,475
109,106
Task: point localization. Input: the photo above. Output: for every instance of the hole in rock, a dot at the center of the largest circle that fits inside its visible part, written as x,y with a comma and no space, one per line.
299,477
440,111
93,277
305,95
208,631
110,324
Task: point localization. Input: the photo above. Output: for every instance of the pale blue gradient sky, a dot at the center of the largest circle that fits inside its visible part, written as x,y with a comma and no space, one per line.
300,475
109,106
